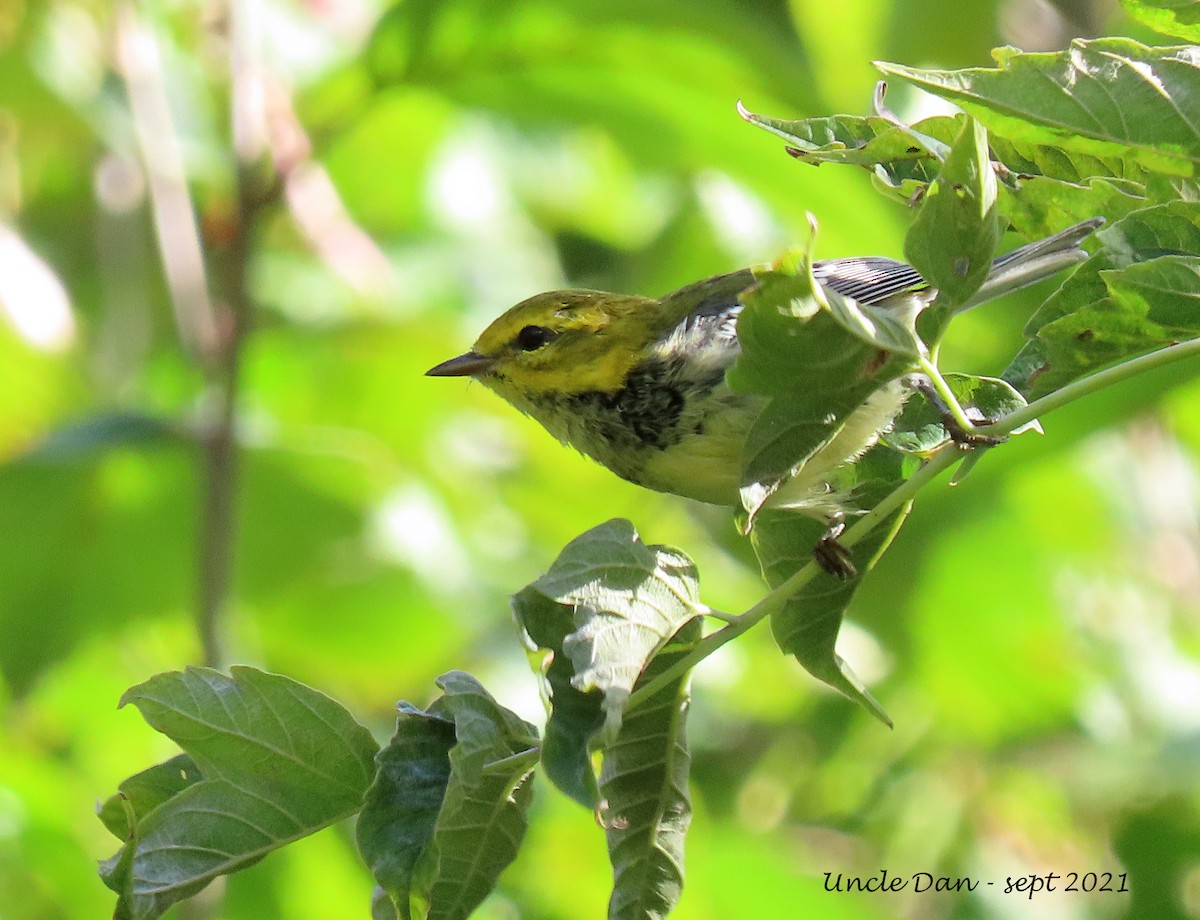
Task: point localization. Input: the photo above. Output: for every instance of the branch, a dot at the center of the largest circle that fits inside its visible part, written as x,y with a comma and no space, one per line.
219,439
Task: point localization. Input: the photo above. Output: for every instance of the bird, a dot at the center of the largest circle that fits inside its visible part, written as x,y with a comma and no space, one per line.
639,384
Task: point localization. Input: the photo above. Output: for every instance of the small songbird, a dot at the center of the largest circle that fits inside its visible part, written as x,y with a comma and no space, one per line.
639,385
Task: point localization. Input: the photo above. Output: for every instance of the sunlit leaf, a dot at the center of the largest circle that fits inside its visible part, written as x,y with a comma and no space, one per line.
953,239
1180,18
1085,325
627,600
1110,97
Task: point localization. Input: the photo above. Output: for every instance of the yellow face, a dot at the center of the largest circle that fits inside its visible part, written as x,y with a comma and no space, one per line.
561,342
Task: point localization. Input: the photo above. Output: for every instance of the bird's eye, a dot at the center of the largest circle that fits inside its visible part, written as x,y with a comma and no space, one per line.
531,338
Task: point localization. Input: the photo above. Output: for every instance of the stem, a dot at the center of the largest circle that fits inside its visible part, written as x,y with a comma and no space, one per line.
221,460
780,595
930,369
1092,383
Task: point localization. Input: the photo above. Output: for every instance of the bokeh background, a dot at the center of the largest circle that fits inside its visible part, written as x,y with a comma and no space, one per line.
408,171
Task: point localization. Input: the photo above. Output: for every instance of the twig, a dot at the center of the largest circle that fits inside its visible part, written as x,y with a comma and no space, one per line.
221,460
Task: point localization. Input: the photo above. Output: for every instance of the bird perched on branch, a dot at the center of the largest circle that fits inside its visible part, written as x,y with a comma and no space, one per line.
639,384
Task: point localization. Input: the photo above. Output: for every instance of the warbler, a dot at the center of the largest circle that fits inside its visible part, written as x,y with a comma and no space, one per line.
638,383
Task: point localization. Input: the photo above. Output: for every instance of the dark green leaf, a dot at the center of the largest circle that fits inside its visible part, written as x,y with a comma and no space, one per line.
575,715
447,811
400,810
644,783
808,624
279,761
1111,97
484,815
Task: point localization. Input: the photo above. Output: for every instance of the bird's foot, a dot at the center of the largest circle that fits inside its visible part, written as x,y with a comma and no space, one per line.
964,437
832,556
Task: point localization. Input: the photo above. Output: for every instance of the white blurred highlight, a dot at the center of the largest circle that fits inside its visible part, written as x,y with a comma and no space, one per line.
740,219
31,294
410,528
467,190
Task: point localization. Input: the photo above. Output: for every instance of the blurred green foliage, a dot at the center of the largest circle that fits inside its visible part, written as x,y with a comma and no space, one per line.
1035,632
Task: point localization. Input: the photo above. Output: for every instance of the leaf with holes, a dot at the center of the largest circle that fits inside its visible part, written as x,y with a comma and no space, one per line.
1110,97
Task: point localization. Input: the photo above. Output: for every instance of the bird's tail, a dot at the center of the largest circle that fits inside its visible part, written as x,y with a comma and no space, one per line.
1031,263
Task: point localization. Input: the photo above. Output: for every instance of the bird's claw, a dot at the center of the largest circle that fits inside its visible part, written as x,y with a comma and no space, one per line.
966,438
832,556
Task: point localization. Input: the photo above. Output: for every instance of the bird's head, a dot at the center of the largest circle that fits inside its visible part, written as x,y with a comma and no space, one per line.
560,343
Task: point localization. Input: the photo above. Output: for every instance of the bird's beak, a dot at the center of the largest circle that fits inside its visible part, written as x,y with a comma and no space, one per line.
469,365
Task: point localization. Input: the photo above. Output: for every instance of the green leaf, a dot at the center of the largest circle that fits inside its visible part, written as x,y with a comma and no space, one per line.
448,809
953,239
820,356
97,433
143,792
575,715
279,761
808,624
919,428
1111,97
484,814
1027,159
899,152
627,599
1098,316
1180,18
401,807
1166,291
788,433
1039,206
644,783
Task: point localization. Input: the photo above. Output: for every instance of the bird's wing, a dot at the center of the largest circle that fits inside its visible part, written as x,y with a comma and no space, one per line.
868,279
703,316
